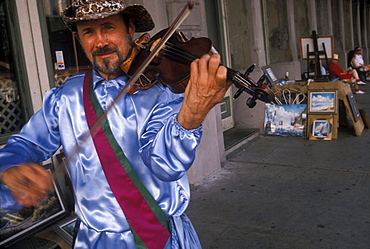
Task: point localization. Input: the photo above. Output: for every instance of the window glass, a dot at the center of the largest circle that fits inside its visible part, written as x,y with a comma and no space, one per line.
11,113
67,55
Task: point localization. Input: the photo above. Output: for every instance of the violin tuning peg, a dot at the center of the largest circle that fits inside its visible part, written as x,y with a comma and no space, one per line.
251,102
261,79
250,69
237,94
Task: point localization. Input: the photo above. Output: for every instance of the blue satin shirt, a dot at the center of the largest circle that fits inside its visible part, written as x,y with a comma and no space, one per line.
144,124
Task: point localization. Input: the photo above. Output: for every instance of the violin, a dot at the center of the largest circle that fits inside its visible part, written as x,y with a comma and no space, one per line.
171,66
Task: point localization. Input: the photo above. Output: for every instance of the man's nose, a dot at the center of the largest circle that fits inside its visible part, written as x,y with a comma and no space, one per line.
101,40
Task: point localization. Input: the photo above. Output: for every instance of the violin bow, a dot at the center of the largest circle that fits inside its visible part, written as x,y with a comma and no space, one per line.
171,30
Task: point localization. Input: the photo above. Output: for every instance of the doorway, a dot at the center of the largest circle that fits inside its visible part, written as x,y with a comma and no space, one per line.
217,32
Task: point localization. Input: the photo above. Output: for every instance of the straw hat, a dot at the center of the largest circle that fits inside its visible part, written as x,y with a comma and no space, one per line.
335,57
82,10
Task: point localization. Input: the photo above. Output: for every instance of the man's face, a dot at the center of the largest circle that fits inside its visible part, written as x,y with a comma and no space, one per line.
358,51
107,42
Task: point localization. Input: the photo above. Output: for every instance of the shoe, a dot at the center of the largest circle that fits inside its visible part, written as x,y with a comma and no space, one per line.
359,92
361,83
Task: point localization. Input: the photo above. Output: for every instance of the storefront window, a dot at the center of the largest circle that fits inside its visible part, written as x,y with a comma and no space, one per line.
67,55
11,113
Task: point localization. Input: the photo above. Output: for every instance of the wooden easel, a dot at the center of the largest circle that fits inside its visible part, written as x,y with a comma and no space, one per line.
317,72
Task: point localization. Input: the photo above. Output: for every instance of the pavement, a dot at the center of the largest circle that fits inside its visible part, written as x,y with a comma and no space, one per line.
289,192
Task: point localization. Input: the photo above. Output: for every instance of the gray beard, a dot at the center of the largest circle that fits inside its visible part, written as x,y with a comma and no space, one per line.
107,66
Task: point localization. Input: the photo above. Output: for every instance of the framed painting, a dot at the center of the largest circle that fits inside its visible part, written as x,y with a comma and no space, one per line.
66,229
322,102
320,128
20,224
285,120
354,109
325,43
270,75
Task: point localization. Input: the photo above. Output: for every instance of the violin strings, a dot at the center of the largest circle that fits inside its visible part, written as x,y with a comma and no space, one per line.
186,57
178,54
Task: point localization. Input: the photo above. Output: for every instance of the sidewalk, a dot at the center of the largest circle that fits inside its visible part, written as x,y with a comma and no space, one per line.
276,192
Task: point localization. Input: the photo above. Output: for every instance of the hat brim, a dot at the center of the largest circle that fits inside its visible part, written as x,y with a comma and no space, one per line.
141,17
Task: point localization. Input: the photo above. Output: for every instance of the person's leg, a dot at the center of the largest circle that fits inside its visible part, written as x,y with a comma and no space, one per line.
357,90
361,73
355,76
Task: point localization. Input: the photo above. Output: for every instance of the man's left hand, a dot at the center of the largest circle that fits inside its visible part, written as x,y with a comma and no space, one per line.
207,86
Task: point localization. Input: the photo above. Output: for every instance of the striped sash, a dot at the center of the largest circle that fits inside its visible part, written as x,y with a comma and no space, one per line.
148,223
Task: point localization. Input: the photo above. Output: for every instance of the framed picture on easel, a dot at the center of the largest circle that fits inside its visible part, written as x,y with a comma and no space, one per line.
324,43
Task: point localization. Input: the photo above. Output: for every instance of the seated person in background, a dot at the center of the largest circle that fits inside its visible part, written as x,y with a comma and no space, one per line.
357,62
350,73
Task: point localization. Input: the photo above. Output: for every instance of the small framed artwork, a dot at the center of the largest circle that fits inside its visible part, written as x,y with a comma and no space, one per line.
352,102
270,75
322,102
18,225
320,128
66,229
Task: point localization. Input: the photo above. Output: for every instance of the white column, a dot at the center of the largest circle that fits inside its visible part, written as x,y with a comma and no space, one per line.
34,55
258,34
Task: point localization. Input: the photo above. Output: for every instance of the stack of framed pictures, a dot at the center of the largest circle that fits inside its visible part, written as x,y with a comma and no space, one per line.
322,114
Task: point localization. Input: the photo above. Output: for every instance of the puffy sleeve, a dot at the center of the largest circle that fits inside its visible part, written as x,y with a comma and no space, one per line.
36,142
167,148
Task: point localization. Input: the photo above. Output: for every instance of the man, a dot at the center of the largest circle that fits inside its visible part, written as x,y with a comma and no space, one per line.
358,63
129,177
350,73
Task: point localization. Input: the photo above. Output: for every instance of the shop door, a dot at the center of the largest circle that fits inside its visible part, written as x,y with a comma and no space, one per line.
217,31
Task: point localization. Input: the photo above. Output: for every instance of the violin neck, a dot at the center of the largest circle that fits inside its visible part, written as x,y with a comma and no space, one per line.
241,80
178,54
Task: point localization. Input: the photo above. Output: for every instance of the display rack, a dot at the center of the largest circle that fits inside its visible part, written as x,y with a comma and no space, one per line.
344,94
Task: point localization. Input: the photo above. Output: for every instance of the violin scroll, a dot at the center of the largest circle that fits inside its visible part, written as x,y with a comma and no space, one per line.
258,90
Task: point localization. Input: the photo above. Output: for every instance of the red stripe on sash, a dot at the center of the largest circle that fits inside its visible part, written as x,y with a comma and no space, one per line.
136,209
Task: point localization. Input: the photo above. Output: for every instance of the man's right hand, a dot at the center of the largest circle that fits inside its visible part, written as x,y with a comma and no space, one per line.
29,183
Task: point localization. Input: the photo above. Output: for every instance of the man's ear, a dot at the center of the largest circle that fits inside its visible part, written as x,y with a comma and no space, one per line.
131,28
75,34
